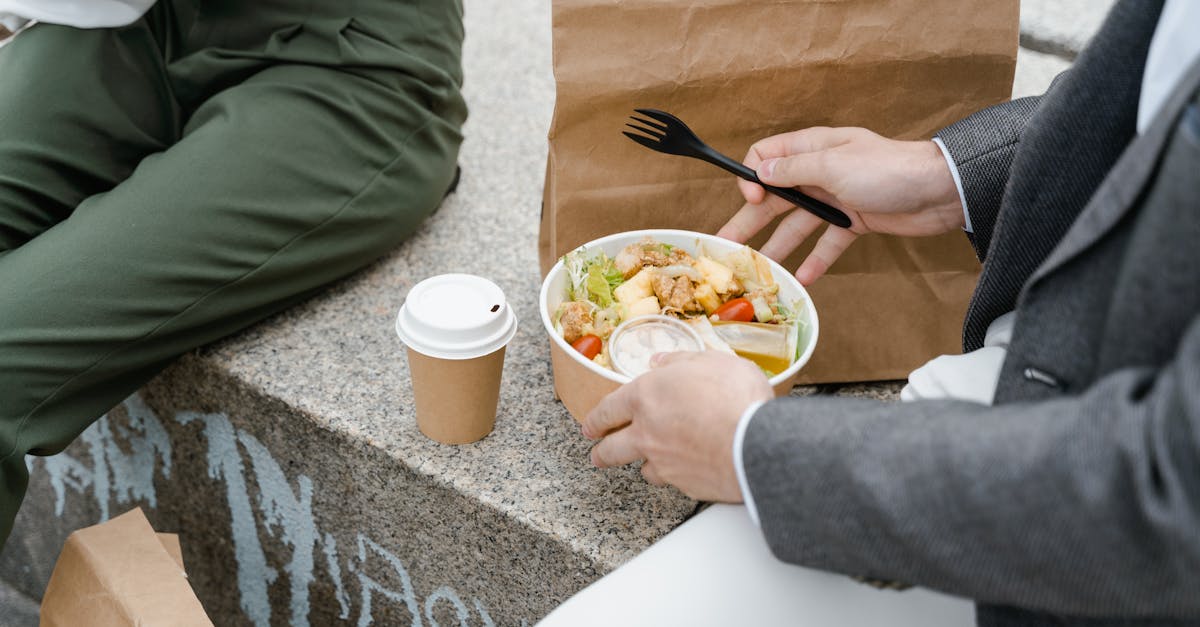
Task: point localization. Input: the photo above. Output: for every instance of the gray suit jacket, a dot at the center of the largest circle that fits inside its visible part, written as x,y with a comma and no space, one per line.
1076,498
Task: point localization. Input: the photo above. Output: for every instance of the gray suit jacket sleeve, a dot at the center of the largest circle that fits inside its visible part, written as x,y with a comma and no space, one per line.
1082,505
982,146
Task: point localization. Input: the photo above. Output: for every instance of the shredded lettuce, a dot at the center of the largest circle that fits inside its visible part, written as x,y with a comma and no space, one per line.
556,318
574,262
802,338
605,320
592,279
598,287
793,316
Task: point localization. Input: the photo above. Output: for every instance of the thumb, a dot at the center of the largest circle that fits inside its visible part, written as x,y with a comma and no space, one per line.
660,360
799,170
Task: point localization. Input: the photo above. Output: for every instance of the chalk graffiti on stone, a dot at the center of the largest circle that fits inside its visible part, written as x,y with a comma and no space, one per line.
115,474
121,469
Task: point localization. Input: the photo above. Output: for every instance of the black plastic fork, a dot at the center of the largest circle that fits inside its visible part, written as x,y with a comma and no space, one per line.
668,134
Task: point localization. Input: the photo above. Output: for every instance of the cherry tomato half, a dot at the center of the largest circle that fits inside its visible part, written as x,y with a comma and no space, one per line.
588,346
735,310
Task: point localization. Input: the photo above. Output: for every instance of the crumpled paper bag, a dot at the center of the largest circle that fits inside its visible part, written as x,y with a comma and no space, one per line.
121,572
740,70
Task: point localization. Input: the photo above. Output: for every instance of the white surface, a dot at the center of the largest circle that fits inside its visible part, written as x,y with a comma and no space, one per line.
716,570
78,13
1173,49
1035,72
962,196
739,466
554,288
1065,26
455,316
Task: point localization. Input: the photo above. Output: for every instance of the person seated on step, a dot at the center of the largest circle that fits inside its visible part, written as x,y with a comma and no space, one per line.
174,171
1051,473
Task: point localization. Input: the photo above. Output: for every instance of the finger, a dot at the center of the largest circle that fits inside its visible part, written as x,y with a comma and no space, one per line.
617,449
785,144
791,232
810,139
811,169
751,219
799,157
829,247
612,412
650,473
751,191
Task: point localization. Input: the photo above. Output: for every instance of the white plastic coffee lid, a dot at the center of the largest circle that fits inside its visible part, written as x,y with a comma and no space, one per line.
455,316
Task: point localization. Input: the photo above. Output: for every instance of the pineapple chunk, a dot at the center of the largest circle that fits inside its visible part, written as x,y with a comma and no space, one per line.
635,289
644,307
707,297
751,269
716,274
763,267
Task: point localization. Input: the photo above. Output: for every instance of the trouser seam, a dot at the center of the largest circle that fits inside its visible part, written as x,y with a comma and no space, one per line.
358,194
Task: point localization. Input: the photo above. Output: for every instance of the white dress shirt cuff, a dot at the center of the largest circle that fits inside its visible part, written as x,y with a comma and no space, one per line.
962,197
971,376
738,466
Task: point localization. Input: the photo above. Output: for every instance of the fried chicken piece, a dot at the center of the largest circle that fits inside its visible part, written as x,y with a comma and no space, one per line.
649,253
675,293
576,321
629,261
680,257
654,258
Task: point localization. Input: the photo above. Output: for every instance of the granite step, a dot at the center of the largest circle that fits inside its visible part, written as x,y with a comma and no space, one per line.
18,609
1061,27
288,458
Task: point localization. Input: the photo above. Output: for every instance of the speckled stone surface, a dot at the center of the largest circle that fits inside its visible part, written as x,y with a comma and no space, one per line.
1035,72
517,521
337,358
17,609
288,456
1061,27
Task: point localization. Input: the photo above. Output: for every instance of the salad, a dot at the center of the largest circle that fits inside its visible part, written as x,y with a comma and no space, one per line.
731,301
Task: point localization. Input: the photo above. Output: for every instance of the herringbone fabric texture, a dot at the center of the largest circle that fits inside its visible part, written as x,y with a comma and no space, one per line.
1073,499
1083,125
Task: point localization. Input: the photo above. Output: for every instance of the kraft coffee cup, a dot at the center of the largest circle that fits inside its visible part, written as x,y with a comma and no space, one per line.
455,327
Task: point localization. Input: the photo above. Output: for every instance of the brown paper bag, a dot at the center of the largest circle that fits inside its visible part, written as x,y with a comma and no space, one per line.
740,70
121,573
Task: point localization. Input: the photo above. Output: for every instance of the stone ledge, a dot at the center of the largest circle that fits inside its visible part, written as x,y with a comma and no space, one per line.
310,494
1035,72
1061,27
18,610
311,497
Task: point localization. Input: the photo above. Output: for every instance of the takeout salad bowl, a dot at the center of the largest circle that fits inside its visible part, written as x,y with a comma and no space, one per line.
580,383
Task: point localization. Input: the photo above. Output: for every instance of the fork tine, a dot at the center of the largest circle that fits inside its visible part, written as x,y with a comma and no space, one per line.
645,141
661,127
661,116
655,134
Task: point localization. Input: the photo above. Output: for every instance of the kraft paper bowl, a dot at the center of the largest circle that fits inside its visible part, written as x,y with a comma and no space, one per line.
581,383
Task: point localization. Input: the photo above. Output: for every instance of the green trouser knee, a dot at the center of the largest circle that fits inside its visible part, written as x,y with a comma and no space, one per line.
167,183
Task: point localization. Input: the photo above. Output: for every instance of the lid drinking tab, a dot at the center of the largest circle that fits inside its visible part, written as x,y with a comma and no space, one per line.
455,316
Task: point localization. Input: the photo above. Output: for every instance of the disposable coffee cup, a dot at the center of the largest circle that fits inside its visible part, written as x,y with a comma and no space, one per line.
455,327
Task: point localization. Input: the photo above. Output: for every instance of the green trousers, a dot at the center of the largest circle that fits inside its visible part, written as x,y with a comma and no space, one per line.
170,182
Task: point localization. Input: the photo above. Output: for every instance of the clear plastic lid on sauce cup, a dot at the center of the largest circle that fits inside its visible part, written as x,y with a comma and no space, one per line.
636,340
456,316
